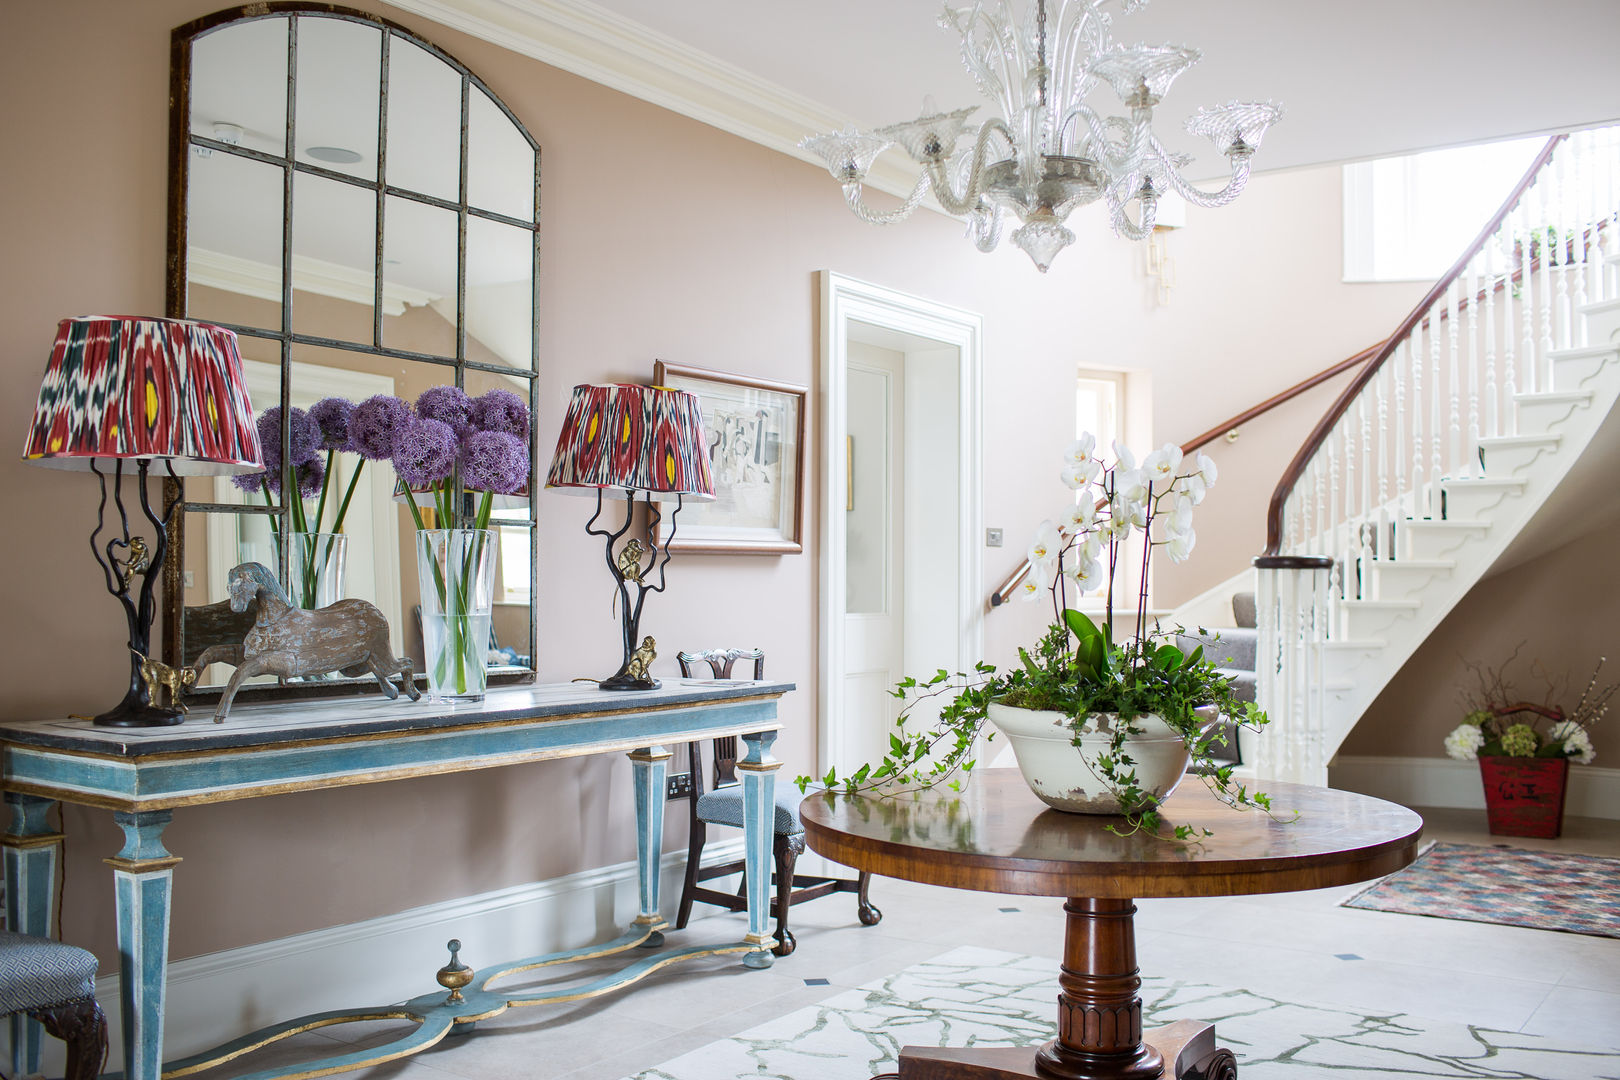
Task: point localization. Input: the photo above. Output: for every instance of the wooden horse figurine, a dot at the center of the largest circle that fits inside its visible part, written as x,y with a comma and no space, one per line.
350,636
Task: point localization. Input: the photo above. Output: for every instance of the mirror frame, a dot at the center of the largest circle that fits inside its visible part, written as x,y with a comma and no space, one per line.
181,143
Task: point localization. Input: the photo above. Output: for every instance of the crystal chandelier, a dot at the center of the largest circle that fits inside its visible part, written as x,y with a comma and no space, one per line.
1050,152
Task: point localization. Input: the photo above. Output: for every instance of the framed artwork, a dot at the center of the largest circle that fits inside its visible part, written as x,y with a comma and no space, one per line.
755,431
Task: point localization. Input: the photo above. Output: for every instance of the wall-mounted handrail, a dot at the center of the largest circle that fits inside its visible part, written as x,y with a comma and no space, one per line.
1330,419
1004,591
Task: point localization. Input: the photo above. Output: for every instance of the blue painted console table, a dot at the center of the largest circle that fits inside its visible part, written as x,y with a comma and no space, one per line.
144,775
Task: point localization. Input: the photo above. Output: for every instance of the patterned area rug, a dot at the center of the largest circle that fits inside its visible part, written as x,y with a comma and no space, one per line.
1544,890
984,997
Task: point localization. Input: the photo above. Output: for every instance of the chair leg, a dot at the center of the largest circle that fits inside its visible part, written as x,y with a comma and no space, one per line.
788,849
694,858
83,1027
869,914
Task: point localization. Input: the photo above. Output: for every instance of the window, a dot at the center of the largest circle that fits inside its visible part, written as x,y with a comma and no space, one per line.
1409,218
514,583
1098,406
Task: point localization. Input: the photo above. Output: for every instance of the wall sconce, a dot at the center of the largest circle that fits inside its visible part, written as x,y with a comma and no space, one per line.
1161,266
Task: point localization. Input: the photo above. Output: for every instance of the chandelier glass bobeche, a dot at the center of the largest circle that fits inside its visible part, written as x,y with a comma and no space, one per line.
1050,152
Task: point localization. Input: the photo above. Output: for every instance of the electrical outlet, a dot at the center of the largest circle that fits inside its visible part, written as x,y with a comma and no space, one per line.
992,538
680,786
191,579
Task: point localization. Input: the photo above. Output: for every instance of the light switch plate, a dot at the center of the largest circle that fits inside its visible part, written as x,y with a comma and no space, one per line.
992,538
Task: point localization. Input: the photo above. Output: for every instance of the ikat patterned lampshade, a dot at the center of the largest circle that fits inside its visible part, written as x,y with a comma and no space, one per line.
132,388
627,437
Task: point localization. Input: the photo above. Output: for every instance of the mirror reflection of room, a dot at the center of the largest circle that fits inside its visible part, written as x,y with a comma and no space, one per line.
377,294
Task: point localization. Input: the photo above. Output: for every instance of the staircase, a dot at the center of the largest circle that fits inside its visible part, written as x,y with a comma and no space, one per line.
1232,649
1487,413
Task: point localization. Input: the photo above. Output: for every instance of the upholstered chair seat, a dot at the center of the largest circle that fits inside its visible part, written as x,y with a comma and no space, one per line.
56,985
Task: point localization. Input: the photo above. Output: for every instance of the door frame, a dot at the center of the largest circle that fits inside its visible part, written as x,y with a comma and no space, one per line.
845,300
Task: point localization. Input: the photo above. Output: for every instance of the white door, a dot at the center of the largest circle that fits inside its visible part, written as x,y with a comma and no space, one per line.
874,532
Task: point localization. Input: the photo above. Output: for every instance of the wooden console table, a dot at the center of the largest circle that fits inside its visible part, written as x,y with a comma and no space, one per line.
997,837
144,774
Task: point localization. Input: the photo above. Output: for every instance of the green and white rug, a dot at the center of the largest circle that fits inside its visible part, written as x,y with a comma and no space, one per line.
983,997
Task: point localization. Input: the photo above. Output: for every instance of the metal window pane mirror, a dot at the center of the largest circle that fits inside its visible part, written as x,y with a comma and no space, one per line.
364,212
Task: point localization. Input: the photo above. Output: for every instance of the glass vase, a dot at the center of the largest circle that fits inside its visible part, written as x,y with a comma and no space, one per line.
315,567
456,574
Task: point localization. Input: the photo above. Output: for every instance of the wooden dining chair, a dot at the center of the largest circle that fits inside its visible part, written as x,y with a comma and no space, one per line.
721,803
56,985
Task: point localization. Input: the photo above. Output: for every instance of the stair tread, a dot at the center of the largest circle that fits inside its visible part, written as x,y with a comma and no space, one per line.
1577,351
1414,564
1349,644
1519,440
1443,523
1481,482
1550,397
1393,605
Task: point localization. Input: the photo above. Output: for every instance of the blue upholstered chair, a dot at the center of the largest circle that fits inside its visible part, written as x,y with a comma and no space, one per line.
56,985
722,804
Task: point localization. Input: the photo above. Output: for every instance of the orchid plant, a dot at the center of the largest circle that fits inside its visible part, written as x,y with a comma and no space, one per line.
1079,668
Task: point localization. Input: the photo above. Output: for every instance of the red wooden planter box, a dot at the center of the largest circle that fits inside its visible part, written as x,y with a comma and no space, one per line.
1524,796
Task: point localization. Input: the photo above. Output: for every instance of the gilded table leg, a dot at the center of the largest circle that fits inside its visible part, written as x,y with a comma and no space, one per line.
758,769
651,765
32,848
143,879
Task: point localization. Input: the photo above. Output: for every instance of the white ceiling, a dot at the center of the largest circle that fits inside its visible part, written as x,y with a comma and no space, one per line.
1357,79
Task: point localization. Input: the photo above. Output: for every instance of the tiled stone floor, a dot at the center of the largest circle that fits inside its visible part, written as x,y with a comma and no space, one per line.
1293,946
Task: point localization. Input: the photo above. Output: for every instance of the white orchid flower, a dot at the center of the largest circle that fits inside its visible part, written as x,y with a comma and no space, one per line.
1086,576
1036,582
1180,545
1091,547
1128,516
1047,543
1206,468
1160,467
1181,516
1083,451
1079,475
1123,455
1130,486
1194,486
1079,517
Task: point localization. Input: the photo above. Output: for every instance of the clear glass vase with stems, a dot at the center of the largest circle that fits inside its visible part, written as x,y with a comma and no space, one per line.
456,574
315,566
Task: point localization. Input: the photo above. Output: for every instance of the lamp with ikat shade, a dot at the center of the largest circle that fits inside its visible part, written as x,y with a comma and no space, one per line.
638,440
146,397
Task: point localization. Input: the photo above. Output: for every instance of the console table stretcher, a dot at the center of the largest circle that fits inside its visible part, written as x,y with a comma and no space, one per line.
144,775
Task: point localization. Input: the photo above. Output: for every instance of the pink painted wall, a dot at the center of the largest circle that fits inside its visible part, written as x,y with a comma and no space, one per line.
632,271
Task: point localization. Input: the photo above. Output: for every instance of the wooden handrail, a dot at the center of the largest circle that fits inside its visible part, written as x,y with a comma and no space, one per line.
1325,426
1003,592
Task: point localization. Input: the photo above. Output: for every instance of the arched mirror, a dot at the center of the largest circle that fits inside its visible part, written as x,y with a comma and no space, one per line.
364,212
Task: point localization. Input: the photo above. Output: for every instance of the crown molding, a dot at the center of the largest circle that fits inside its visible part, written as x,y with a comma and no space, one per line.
590,41
249,277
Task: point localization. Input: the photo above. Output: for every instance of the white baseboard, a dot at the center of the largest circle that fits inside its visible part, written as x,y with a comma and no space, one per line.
1412,781
392,958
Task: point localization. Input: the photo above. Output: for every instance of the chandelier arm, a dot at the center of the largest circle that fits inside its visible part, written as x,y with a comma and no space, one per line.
852,197
1206,199
1123,226
985,237
969,199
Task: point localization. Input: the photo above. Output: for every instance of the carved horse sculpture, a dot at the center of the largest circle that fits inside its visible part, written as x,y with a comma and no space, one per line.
350,636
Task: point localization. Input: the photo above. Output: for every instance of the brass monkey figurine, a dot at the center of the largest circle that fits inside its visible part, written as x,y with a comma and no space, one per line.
642,658
158,676
630,560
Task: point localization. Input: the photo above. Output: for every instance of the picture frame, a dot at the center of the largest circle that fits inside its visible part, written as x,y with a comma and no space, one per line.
755,429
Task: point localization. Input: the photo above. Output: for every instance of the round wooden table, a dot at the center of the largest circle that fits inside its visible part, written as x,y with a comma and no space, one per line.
997,837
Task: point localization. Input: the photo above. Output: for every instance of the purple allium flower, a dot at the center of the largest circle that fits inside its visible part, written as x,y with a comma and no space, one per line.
306,438
503,411
424,452
311,475
375,423
448,404
494,461
252,482
332,414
